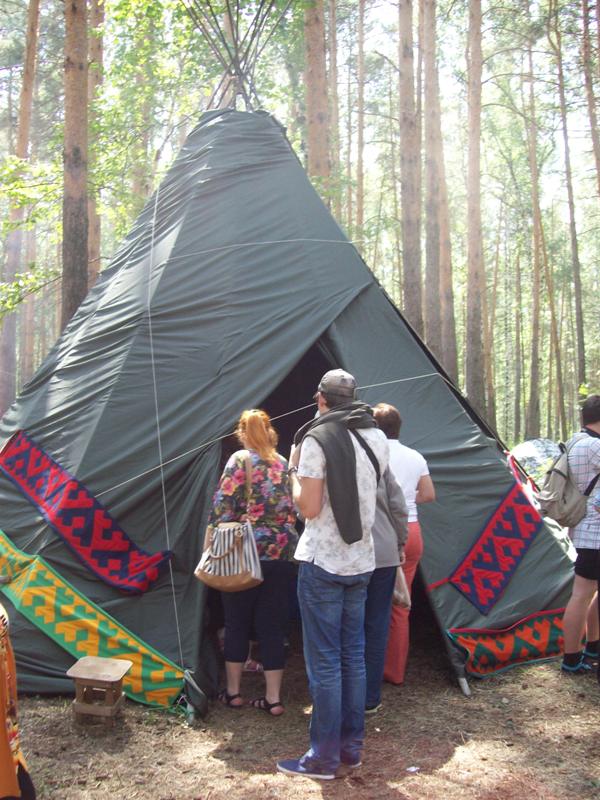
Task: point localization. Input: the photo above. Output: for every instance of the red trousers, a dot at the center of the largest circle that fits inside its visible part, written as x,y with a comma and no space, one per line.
398,640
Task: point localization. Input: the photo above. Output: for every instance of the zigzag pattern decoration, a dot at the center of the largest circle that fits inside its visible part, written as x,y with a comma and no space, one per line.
487,569
82,628
81,521
537,637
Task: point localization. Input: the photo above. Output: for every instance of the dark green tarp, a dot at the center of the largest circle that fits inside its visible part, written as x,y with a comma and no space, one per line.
236,289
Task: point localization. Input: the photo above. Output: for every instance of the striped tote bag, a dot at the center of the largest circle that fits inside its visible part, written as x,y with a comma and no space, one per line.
230,560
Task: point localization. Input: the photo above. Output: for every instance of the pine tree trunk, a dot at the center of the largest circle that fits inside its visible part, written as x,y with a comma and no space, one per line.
586,57
96,21
556,44
598,41
532,421
419,128
349,137
518,351
334,113
75,217
27,326
551,392
475,365
409,171
317,102
360,123
141,179
14,240
489,324
394,190
10,112
449,345
554,336
433,148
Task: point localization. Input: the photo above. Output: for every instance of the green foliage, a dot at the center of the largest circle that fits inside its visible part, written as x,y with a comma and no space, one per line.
25,284
34,187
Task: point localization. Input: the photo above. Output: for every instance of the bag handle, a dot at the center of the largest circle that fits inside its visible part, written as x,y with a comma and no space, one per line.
237,544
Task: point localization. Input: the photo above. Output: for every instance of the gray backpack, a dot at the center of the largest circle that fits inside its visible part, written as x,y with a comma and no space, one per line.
559,497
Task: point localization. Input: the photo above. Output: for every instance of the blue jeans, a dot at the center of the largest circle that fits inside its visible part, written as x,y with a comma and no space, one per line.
333,611
378,610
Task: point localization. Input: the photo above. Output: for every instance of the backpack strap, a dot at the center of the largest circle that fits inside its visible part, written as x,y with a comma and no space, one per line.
590,487
248,467
369,452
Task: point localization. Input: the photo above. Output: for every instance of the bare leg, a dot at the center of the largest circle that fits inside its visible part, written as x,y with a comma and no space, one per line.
593,623
576,613
233,672
273,679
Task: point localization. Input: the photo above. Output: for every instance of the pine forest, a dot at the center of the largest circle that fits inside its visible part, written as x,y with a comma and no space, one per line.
456,142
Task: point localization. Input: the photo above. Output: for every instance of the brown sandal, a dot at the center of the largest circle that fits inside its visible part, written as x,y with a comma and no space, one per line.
263,705
227,699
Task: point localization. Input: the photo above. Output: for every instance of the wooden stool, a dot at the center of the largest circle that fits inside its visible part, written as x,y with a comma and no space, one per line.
98,687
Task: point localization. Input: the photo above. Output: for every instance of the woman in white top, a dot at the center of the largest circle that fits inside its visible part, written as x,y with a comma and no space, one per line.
411,471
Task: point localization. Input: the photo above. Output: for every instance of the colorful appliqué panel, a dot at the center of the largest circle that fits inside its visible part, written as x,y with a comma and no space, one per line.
487,569
535,638
82,628
81,521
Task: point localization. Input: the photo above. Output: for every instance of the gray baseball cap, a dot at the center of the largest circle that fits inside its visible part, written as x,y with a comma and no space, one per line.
339,383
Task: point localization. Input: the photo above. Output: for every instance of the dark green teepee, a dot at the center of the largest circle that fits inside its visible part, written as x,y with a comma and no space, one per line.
236,289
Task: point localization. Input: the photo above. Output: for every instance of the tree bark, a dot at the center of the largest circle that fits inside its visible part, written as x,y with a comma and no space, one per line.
476,286
26,350
449,346
317,103
14,240
10,114
349,137
532,418
75,216
433,149
96,21
586,57
392,110
334,113
489,324
409,171
360,121
554,336
556,45
518,351
141,178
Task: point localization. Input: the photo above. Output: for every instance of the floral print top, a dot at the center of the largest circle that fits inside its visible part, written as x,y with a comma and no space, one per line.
270,510
10,751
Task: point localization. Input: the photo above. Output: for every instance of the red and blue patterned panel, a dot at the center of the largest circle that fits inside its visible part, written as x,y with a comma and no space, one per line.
534,638
75,514
488,567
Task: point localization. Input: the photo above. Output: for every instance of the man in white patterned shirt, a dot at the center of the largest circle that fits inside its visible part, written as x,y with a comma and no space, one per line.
584,466
334,484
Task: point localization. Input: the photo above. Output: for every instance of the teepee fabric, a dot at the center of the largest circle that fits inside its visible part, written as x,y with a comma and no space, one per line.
236,289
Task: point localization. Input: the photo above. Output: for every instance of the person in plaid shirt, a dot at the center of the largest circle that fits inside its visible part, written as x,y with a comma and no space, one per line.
584,465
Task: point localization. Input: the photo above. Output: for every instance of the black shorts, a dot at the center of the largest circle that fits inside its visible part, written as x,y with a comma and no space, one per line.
587,564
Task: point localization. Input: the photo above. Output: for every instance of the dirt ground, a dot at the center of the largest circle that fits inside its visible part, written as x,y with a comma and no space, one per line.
530,733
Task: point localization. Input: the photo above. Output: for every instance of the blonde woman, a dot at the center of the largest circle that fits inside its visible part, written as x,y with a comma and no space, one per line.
263,609
14,778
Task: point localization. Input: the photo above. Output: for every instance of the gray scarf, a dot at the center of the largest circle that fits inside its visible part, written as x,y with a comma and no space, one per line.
332,432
